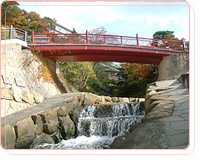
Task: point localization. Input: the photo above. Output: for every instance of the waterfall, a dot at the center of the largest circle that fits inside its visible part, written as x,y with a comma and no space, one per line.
108,120
99,125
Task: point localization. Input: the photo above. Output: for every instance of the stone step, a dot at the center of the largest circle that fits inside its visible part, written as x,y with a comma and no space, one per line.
167,83
175,92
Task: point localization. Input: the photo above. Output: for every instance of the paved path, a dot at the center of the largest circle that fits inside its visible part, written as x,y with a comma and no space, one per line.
167,133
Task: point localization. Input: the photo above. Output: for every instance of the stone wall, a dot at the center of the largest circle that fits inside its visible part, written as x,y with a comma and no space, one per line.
171,67
49,121
23,82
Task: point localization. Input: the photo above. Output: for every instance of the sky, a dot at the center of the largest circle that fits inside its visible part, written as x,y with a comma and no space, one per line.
120,18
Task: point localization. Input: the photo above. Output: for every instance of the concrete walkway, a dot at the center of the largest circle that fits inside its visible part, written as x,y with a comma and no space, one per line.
167,133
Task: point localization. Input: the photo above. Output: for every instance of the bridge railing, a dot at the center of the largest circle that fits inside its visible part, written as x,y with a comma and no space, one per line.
74,38
13,33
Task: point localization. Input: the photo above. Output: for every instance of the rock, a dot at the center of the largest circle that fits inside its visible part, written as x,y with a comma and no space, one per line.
68,107
25,131
123,100
115,99
27,97
164,88
6,93
39,123
8,137
38,98
41,139
131,99
160,111
17,93
141,100
67,127
172,66
150,99
107,99
100,100
50,121
89,98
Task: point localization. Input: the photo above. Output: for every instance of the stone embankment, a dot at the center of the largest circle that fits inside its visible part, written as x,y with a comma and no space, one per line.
166,125
50,120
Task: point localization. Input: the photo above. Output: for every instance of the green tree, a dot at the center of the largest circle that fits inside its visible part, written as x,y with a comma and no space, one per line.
162,34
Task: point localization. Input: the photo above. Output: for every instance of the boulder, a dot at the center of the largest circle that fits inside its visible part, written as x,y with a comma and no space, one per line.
67,127
8,137
108,99
42,139
25,132
50,121
39,123
131,99
115,99
89,98
123,100
68,107
100,100
162,110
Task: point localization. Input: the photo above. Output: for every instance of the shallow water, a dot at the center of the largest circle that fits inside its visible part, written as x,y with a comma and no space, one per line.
98,126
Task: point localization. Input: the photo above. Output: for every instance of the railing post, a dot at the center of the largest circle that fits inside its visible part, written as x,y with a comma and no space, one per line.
153,43
32,37
50,38
137,39
11,30
25,36
183,45
121,40
104,36
87,36
69,38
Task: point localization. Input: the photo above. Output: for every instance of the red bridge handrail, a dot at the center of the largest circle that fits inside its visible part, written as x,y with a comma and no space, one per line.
86,38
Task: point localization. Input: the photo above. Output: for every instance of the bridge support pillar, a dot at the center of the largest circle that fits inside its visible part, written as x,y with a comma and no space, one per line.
171,67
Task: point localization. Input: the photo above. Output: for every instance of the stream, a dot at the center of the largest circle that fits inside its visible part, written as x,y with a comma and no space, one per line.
99,125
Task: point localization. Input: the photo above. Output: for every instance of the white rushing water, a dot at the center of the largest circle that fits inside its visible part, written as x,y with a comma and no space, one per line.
99,125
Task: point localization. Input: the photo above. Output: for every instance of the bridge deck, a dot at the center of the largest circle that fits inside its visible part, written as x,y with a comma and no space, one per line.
95,47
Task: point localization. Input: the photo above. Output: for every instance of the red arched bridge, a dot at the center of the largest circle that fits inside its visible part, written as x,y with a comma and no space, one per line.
62,47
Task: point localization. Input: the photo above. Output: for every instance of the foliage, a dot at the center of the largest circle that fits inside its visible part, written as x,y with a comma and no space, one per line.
78,73
163,34
134,78
18,18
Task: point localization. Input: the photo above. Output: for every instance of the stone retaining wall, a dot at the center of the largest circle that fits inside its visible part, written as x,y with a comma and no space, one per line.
171,67
22,84
50,120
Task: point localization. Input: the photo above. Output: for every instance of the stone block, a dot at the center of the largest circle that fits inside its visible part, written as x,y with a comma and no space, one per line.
67,127
123,100
107,99
50,120
100,100
17,93
26,132
131,99
27,97
6,93
8,137
161,110
39,123
115,99
42,139
38,98
89,98
65,109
